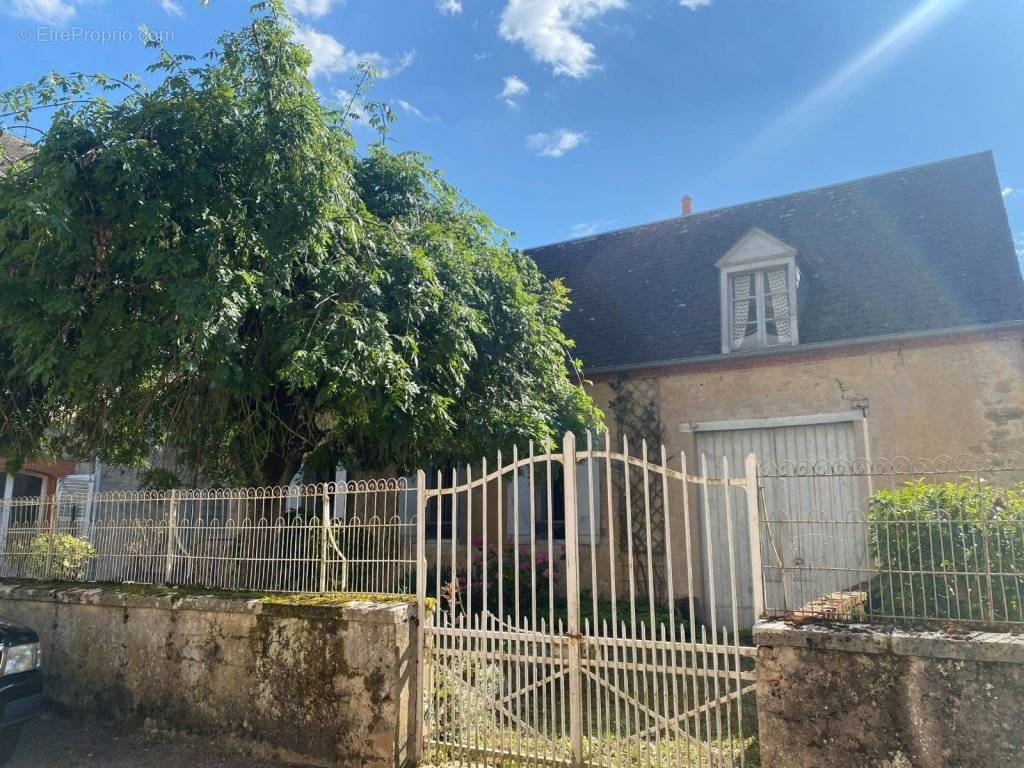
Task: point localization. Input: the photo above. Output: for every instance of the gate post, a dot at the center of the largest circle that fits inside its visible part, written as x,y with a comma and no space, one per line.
419,688
572,588
754,532
172,519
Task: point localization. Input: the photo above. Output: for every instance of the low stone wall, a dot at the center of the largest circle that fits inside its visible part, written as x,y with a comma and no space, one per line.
316,684
857,696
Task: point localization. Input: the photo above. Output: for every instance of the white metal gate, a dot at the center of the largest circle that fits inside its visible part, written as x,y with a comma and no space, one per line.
568,627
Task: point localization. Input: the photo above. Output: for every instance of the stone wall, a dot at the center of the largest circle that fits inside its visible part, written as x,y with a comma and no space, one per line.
316,684
865,697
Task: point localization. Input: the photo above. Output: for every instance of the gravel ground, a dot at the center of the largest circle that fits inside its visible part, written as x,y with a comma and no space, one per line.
54,742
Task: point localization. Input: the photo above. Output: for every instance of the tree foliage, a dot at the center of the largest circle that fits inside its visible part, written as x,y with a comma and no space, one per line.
212,264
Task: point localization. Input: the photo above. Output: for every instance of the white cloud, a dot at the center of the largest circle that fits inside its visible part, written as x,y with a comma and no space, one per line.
411,109
173,8
328,54
391,67
549,30
555,143
1007,191
331,56
312,8
44,11
351,103
514,88
587,228
693,5
450,7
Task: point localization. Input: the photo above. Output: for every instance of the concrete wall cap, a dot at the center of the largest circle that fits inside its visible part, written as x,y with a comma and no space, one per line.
166,598
869,638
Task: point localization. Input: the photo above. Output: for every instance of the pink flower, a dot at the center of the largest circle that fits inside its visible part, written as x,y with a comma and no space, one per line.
478,542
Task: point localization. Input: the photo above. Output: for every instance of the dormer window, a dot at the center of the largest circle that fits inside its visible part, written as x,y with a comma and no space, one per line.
760,314
759,278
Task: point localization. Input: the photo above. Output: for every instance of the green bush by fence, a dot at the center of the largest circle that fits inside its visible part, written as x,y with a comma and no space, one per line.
948,551
59,556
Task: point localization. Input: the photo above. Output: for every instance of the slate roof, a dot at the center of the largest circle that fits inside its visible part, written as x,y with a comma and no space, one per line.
12,148
919,249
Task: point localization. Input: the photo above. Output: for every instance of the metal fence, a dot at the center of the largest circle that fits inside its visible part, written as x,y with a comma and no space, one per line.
351,537
938,540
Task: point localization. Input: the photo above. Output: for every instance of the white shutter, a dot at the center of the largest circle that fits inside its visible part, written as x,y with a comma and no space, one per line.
519,519
72,497
339,507
588,481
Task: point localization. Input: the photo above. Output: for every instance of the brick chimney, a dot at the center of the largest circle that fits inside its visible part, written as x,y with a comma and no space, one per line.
687,205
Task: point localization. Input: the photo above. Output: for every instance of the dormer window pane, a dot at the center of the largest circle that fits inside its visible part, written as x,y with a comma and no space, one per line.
744,311
776,307
760,312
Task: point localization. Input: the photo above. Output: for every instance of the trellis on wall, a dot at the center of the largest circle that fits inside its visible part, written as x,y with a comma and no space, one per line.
635,412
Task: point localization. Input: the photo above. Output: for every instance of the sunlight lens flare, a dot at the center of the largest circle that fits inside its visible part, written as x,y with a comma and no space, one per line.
894,41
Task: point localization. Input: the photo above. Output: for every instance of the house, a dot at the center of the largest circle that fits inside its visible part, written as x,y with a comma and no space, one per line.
877,317
882,317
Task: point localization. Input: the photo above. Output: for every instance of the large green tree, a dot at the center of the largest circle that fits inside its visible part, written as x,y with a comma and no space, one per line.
211,264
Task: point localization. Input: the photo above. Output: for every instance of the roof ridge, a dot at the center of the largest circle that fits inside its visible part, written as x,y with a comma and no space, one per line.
770,198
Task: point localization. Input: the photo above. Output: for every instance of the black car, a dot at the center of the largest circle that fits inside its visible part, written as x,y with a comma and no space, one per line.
21,682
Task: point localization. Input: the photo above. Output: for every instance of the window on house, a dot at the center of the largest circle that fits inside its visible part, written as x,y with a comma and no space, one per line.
557,521
441,512
760,314
524,520
22,498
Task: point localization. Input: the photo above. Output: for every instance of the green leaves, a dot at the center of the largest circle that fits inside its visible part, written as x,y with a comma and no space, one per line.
210,265
934,542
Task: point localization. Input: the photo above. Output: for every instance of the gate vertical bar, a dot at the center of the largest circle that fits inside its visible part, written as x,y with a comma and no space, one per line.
172,521
325,522
754,528
419,731
572,587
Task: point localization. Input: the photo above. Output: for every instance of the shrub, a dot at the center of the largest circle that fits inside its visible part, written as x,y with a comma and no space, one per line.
948,551
537,573
59,556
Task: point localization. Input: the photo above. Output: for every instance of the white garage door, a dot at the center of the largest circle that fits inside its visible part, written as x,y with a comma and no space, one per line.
812,500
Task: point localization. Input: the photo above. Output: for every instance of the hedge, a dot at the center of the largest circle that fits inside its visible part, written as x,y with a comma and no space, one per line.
948,551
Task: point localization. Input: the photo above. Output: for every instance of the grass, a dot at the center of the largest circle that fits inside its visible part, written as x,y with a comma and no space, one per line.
470,728
506,747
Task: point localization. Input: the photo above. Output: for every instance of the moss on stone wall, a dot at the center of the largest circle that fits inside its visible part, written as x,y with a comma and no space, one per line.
324,599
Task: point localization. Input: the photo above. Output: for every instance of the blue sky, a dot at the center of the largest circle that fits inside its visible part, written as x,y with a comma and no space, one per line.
566,117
